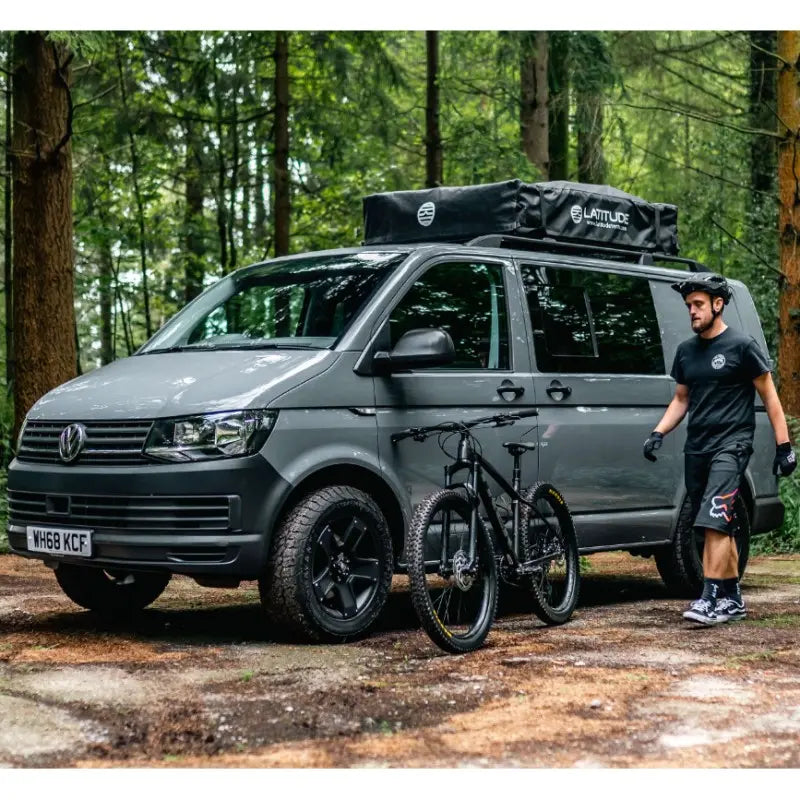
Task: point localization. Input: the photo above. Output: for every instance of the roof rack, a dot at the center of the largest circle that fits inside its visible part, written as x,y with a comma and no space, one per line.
547,244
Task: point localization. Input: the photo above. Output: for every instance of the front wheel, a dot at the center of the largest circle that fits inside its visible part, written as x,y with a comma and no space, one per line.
455,599
548,539
330,568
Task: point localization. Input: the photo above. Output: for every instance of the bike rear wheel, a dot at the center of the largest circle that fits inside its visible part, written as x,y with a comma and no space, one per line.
456,602
547,535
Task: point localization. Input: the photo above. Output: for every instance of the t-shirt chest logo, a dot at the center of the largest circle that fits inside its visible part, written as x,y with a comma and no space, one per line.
718,362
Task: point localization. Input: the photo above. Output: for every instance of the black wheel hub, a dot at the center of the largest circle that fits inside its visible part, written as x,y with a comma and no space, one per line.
346,566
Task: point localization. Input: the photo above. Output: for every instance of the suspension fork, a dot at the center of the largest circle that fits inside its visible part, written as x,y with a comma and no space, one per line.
463,461
516,484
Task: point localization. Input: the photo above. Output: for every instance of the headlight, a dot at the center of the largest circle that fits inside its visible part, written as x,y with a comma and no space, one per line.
21,434
232,433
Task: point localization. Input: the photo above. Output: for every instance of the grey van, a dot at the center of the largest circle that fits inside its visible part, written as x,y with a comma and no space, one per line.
249,439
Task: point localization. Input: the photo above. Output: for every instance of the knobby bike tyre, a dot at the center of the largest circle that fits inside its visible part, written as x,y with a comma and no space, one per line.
454,608
549,530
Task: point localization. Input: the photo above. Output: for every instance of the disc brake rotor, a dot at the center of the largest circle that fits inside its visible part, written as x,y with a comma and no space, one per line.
461,577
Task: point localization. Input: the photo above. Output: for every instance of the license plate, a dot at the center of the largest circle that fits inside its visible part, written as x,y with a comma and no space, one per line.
60,541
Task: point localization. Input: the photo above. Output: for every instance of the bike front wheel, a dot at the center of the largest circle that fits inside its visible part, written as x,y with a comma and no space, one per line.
549,543
455,598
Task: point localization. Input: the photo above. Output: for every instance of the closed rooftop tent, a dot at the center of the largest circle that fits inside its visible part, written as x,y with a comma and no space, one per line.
567,212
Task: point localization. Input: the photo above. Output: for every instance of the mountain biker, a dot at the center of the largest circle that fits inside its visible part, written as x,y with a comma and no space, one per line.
717,373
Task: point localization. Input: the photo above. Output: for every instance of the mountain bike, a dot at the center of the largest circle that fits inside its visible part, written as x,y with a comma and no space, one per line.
452,562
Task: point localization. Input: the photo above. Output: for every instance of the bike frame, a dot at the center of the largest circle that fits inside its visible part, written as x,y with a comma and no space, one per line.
477,490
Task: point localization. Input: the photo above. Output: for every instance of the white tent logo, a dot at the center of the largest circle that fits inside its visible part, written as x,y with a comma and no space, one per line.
425,214
576,212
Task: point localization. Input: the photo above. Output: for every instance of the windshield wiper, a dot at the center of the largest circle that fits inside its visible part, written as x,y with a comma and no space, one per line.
187,348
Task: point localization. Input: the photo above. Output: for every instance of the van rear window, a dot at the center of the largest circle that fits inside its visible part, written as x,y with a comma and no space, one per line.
592,321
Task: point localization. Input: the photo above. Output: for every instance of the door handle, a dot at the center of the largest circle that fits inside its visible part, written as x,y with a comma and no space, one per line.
558,388
507,387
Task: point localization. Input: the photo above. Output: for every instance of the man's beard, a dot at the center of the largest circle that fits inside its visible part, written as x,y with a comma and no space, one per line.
704,326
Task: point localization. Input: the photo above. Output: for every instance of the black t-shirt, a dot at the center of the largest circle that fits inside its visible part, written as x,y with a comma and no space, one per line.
719,373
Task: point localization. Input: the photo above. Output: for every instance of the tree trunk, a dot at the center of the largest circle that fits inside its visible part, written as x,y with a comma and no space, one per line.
534,116
591,162
222,224
558,107
194,243
280,169
137,193
106,303
433,135
763,153
43,303
789,187
234,178
8,281
260,229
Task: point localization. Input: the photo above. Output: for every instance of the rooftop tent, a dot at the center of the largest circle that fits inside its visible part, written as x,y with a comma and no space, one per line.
559,210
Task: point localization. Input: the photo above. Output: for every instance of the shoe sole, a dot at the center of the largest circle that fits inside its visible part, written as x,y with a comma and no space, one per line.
731,618
695,617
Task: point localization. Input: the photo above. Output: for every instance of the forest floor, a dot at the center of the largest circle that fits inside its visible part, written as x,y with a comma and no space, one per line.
194,681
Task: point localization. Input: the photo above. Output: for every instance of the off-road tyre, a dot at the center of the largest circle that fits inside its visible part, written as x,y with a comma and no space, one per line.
680,563
464,626
335,595
113,593
555,589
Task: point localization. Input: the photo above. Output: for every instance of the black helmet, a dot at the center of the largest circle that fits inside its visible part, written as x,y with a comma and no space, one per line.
708,282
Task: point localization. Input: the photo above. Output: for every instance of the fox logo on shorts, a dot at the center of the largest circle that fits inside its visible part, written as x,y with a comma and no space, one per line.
719,505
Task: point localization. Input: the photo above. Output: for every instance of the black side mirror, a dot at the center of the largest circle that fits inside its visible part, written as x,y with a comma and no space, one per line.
421,347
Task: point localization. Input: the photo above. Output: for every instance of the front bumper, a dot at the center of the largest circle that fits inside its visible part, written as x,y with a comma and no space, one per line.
125,508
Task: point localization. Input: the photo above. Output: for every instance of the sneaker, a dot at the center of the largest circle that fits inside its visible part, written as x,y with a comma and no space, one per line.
702,611
729,610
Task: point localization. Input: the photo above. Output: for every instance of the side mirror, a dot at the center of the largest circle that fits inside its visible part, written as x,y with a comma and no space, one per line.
416,349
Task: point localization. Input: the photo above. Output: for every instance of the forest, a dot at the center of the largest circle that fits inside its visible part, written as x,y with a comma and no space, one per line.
140,167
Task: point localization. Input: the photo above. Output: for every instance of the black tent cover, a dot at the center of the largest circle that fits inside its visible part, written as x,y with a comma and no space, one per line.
561,210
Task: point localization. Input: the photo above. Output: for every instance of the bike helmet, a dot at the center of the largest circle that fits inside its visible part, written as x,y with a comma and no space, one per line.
709,282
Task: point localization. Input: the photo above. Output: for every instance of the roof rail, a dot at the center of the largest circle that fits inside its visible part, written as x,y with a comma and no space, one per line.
547,244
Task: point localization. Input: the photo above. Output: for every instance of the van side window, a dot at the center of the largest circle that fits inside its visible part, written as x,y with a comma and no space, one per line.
469,302
585,321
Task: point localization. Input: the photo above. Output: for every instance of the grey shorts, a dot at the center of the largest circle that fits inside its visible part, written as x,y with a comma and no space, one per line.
712,483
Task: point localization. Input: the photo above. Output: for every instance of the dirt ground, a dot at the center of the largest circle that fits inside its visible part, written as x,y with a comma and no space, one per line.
196,681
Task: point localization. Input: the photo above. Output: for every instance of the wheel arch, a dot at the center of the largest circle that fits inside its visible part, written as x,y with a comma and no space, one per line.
358,477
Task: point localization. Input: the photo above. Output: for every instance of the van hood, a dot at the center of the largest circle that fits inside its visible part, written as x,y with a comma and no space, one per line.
178,384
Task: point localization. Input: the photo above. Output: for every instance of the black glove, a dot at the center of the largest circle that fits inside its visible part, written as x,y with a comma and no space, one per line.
653,442
785,462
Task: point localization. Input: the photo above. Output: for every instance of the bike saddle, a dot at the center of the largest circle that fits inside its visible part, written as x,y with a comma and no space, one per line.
518,448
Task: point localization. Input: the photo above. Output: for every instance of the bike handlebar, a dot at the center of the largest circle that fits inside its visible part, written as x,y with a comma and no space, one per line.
497,420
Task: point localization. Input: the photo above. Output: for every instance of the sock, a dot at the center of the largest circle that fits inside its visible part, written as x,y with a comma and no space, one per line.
711,589
730,588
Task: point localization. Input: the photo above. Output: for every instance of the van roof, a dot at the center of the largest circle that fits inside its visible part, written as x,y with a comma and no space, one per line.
519,247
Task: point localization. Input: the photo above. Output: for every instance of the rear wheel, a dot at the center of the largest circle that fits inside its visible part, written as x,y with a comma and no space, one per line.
455,601
680,563
112,592
548,537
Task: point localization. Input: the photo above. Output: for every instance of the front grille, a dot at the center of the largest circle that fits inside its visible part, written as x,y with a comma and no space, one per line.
107,443
144,512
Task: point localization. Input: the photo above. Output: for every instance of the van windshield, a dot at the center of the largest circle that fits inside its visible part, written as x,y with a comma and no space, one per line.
299,303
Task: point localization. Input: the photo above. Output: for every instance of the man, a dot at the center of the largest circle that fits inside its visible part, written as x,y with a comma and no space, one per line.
717,373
